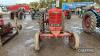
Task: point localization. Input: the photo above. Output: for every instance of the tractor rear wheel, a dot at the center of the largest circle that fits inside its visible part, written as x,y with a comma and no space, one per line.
74,41
37,42
89,22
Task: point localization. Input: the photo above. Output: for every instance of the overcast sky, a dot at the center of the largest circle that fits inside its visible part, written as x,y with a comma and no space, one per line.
10,2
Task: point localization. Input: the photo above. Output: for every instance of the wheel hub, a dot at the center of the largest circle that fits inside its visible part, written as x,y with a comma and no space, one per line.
87,21
72,40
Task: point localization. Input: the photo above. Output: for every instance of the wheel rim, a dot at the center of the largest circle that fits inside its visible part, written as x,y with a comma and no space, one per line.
72,41
87,21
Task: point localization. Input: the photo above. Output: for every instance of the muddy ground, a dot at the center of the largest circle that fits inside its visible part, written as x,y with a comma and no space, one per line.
22,44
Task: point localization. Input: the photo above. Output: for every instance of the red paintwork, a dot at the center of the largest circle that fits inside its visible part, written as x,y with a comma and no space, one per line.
66,13
55,28
16,7
98,10
55,21
53,36
87,21
1,22
55,16
6,28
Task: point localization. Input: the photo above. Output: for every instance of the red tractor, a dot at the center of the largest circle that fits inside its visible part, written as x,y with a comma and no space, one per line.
7,30
55,29
19,9
67,14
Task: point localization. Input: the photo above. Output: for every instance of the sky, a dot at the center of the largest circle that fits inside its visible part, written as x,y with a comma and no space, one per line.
11,2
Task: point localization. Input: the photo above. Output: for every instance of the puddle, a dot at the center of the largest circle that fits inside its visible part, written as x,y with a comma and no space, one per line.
25,23
30,27
29,43
77,29
97,29
35,29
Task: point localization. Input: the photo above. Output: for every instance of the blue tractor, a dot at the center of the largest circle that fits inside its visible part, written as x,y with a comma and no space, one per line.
91,19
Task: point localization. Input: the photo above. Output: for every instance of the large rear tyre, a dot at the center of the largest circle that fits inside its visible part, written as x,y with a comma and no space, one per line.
89,22
37,42
74,41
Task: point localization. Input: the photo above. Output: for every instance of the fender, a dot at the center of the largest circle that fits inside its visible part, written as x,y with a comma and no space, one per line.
97,16
94,11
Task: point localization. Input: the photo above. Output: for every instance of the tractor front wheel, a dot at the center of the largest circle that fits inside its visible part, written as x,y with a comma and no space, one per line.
89,22
37,42
74,41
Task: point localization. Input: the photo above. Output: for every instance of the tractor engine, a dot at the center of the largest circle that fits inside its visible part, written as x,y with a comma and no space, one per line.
55,20
55,17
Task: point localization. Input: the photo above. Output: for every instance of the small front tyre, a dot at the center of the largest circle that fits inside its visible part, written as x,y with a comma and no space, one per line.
74,41
37,42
